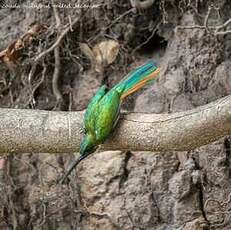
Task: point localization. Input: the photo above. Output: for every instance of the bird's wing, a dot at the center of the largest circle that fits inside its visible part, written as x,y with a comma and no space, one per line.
106,115
89,114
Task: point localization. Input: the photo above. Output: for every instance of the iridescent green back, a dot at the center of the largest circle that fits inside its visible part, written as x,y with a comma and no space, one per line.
106,115
89,114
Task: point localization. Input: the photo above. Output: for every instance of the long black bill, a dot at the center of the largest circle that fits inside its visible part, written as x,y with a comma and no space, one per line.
73,165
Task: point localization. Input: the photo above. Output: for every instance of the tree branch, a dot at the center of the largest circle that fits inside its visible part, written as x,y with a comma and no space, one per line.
24,131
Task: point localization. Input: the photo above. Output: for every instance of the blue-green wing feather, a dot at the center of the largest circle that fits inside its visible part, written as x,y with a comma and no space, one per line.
89,114
106,115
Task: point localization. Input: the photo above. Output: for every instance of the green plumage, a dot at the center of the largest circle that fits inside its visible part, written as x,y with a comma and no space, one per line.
103,109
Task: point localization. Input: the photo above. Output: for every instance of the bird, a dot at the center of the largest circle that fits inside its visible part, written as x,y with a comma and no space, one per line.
103,110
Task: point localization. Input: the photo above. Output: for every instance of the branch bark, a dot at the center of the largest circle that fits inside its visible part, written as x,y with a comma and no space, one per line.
24,131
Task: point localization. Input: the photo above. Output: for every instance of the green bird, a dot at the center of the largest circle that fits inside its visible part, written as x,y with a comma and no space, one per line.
103,109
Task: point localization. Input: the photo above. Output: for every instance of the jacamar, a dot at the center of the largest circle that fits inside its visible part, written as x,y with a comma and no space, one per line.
103,109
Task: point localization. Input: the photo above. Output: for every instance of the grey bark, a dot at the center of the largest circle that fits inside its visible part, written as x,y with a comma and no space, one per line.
57,132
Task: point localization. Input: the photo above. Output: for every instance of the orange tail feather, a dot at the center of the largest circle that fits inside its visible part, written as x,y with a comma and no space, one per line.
140,83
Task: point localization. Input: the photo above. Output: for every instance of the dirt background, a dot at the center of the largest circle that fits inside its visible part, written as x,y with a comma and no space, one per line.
119,190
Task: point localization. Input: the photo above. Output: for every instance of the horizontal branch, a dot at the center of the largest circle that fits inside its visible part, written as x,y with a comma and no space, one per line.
24,131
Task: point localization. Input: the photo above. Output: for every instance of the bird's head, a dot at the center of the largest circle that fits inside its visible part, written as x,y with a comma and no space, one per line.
87,145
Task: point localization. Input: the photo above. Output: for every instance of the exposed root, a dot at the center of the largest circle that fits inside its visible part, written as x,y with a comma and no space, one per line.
58,41
215,30
55,78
